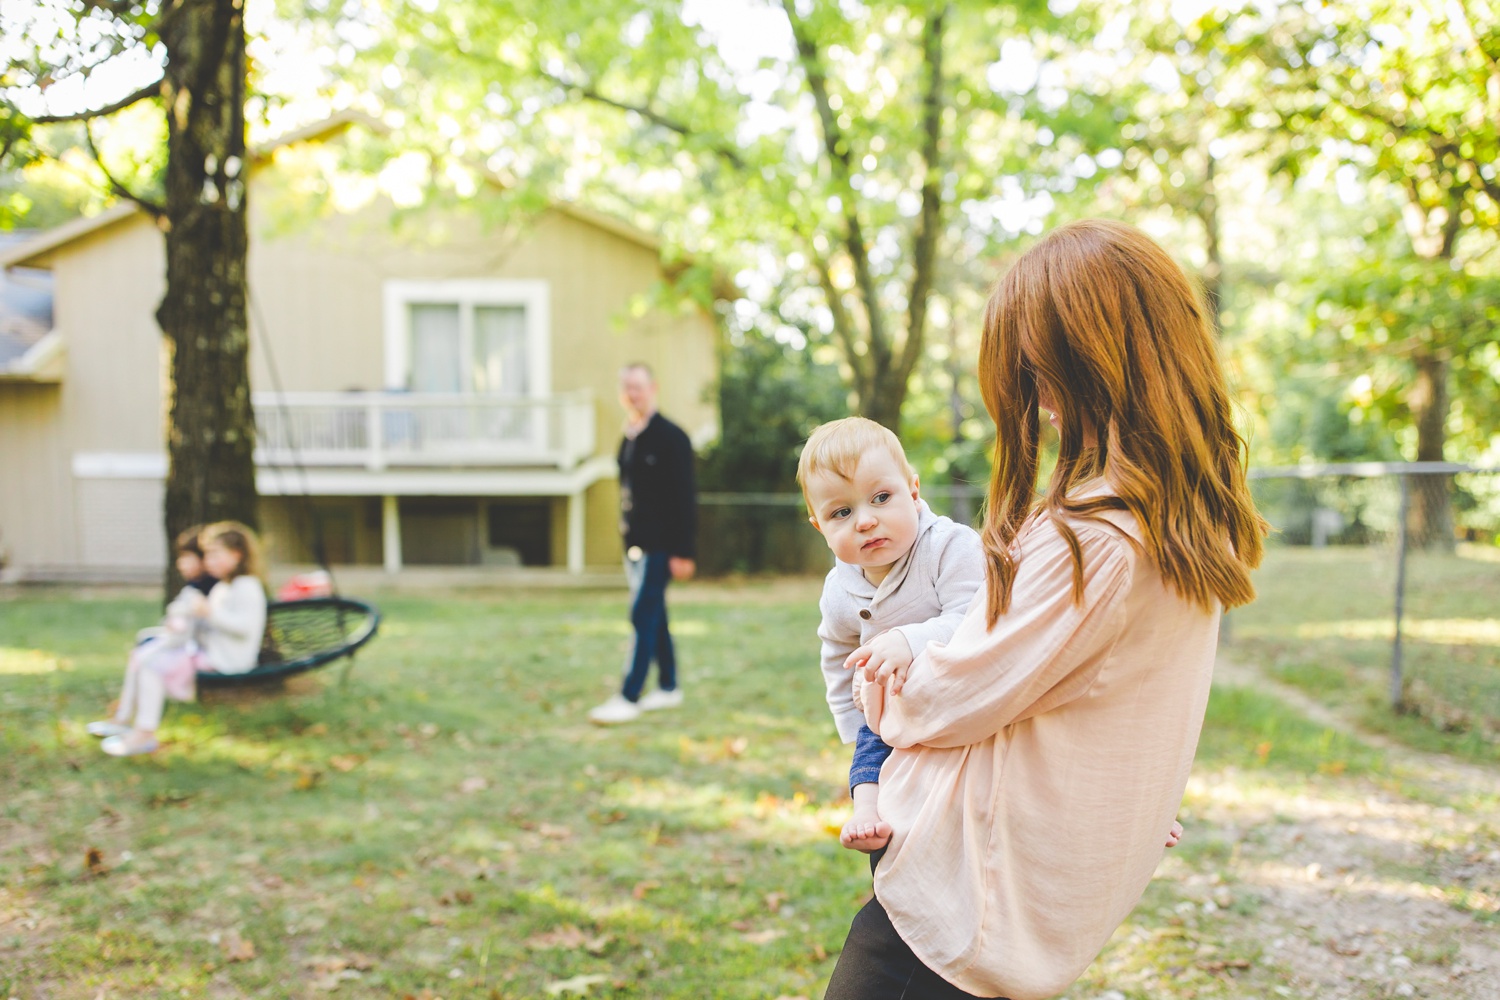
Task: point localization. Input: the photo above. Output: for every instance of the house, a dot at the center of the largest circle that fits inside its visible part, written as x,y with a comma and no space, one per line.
435,392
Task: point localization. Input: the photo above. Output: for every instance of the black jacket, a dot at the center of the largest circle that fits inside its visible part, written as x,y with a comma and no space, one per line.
658,494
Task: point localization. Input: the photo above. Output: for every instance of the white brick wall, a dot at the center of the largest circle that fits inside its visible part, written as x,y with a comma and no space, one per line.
120,523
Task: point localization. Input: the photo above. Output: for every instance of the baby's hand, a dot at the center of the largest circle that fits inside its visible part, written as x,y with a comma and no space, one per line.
1174,835
885,656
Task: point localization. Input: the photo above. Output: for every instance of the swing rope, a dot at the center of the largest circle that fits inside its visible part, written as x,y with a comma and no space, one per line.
304,495
309,632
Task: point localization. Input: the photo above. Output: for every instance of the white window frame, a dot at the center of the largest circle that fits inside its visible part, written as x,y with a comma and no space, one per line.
532,295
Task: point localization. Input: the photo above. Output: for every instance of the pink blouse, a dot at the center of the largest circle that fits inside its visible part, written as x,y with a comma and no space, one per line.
1039,764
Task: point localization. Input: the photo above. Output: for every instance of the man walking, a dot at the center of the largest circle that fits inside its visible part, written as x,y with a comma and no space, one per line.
659,521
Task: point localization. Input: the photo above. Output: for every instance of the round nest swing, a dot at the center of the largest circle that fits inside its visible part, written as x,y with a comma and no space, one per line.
302,635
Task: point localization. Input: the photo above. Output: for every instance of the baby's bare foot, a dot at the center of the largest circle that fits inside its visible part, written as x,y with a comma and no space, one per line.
865,836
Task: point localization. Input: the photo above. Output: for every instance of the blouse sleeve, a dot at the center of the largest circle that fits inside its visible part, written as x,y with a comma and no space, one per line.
1043,652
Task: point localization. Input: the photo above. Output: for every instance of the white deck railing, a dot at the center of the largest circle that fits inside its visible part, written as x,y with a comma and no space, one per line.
378,430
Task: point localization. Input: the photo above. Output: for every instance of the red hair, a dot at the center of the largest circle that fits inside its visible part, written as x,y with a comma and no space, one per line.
1103,320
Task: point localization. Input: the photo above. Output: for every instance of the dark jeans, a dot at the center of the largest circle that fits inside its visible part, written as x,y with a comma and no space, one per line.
877,965
648,576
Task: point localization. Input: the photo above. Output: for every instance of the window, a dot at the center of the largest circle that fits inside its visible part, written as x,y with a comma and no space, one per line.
486,338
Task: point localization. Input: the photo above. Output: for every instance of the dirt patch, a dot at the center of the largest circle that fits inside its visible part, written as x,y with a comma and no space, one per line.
1361,888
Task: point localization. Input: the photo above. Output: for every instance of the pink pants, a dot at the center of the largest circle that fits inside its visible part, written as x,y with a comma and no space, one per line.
155,673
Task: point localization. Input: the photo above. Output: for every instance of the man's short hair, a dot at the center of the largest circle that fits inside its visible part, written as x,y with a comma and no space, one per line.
639,366
838,445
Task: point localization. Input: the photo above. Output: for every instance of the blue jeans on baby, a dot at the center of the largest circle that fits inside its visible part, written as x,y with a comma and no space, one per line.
648,574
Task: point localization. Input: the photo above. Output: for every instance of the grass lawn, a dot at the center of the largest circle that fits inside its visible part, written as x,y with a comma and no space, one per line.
1324,623
448,824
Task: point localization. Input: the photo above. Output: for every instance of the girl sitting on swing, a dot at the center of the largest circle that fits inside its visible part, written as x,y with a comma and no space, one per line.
220,633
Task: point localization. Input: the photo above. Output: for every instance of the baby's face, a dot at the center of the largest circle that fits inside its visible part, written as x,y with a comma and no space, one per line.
189,566
869,520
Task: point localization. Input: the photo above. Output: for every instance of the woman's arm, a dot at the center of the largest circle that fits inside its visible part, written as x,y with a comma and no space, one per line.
1043,652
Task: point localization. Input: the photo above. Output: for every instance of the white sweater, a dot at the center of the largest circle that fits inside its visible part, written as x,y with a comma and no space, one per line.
236,619
924,597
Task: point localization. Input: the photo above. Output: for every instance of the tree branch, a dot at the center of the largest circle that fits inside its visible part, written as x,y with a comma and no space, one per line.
929,221
150,90
118,8
843,326
841,158
1491,59
156,211
589,92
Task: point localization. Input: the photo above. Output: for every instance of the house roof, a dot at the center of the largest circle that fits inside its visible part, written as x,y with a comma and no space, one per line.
32,252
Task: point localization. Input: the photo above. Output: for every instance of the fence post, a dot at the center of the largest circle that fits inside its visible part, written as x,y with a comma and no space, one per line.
1401,542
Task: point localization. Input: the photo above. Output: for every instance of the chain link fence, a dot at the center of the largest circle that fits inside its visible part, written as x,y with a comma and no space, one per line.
1380,578
1383,580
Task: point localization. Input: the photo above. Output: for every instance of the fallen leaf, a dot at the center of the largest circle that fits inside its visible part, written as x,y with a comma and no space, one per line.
578,984
170,797
236,948
1232,963
641,888
316,729
306,780
774,900
736,746
93,863
763,937
552,832
570,937
819,952
605,819
345,762
473,784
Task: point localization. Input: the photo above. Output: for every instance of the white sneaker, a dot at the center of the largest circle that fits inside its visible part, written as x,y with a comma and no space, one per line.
653,700
107,728
614,711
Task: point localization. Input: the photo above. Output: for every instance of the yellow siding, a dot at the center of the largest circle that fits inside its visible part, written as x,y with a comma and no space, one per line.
106,290
317,288
602,546
319,292
36,497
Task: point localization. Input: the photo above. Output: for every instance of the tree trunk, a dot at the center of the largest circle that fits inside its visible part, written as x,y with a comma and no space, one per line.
886,397
1430,525
211,428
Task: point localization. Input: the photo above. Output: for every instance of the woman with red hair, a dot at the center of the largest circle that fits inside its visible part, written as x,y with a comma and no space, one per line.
1042,751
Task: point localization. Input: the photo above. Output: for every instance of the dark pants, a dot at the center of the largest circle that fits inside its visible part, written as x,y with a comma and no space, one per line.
877,965
648,576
